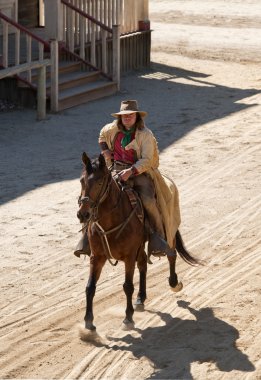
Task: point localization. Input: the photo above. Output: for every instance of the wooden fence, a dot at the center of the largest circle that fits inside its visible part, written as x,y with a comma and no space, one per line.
41,93
34,59
126,13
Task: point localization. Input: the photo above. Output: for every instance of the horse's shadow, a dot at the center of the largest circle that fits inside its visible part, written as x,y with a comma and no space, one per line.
173,348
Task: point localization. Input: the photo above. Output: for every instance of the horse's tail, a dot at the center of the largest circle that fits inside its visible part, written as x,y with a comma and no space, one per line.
183,252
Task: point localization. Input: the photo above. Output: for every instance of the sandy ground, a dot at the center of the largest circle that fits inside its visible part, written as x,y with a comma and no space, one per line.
206,116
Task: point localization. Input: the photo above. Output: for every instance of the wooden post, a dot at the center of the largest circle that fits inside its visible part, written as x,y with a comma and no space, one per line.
54,76
17,47
82,37
71,27
41,93
41,13
53,19
110,13
104,51
93,44
116,55
29,56
5,44
145,9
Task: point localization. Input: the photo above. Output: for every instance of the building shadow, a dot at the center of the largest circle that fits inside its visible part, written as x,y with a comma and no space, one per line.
178,101
192,99
175,346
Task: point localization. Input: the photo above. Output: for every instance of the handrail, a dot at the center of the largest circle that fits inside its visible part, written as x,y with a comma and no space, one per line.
23,29
66,50
103,26
84,19
6,72
41,93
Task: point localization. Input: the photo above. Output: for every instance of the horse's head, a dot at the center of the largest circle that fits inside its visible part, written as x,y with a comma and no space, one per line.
94,182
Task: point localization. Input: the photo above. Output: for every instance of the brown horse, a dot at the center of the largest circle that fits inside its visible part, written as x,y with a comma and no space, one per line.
116,232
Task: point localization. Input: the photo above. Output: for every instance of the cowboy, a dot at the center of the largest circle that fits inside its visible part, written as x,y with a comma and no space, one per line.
132,148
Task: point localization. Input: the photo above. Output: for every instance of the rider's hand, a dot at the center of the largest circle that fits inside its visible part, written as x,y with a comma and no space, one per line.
107,154
125,174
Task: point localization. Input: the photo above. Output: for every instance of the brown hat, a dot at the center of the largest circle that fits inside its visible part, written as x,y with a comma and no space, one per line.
129,106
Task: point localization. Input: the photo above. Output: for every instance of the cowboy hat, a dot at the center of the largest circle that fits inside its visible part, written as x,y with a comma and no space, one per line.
129,106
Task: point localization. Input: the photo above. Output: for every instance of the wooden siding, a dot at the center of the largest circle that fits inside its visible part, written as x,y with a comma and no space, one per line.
9,8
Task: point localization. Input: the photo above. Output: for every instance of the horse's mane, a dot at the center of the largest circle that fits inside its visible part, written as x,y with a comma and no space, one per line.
95,164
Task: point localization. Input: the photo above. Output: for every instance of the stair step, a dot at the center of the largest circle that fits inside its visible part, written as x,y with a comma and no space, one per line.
65,67
72,79
75,85
85,93
68,67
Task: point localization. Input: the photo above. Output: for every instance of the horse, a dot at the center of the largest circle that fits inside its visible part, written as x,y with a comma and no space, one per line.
116,232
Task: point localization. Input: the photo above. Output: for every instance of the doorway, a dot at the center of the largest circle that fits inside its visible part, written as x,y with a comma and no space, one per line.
31,13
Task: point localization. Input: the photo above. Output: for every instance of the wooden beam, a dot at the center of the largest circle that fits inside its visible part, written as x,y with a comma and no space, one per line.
116,54
41,93
54,76
23,67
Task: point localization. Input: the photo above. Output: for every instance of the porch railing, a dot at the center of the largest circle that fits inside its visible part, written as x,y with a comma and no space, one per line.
12,55
126,13
82,30
20,56
41,93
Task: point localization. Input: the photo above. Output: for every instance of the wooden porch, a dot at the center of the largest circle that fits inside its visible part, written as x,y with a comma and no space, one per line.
96,41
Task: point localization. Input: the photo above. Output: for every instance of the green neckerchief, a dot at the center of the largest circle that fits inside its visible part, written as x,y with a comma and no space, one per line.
127,137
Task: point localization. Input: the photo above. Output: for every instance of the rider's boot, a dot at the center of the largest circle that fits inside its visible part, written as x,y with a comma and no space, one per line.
157,246
83,246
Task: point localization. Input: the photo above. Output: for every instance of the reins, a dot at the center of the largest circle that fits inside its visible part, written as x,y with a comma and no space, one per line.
103,234
103,194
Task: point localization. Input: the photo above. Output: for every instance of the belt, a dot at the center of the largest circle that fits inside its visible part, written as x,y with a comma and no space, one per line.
118,165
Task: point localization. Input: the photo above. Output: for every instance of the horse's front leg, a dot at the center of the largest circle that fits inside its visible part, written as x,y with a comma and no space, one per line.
96,265
173,278
142,266
128,287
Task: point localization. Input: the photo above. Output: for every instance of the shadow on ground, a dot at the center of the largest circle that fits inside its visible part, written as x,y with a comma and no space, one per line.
34,154
174,347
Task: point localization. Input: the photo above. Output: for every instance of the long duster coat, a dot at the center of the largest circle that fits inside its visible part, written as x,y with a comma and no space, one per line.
145,146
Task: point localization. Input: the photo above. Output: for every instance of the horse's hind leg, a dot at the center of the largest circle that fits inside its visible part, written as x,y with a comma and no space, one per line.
96,265
173,278
129,289
142,266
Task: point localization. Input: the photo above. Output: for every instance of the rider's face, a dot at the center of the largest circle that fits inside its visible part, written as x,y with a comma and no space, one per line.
129,120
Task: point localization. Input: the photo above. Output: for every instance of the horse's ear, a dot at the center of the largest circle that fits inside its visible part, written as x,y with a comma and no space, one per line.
85,158
102,161
87,162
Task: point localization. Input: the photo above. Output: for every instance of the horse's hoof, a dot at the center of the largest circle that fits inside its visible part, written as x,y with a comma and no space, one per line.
127,325
177,288
89,326
86,335
139,307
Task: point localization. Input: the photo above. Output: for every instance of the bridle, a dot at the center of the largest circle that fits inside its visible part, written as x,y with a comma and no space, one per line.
94,206
102,195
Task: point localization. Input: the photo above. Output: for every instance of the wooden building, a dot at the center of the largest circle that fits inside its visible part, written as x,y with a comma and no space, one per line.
89,44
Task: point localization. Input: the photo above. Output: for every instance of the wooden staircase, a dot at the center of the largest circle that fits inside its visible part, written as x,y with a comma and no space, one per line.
75,81
78,86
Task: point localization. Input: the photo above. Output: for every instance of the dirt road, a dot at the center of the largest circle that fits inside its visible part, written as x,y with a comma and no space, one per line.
206,116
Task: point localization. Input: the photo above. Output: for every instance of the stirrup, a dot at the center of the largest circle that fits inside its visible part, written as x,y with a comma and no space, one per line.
83,246
157,246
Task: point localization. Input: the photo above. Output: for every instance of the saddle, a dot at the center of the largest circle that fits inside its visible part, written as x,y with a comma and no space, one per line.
134,199
156,245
